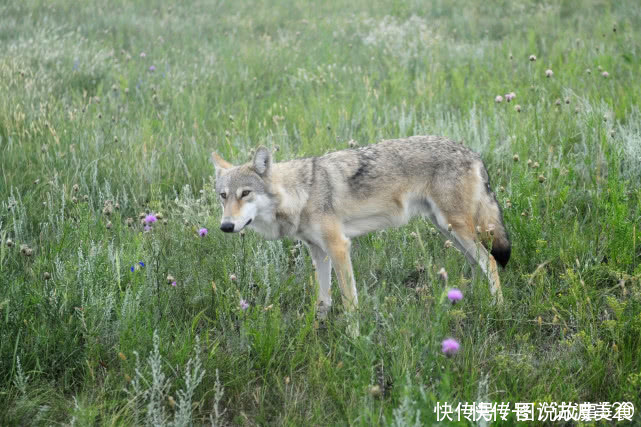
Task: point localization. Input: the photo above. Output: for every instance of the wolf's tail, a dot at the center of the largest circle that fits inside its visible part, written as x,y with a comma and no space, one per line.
501,246
490,218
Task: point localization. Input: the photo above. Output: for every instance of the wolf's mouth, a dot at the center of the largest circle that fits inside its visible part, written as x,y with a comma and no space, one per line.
248,222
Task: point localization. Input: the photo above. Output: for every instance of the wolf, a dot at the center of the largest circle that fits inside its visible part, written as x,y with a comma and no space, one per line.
326,201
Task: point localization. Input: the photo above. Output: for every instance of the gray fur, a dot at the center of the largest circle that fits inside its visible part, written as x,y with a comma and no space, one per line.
326,200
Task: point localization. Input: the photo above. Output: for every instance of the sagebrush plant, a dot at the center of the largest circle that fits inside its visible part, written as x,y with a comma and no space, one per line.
151,393
109,114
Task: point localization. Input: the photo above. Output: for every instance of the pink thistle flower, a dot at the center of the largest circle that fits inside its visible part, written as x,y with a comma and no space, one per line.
244,305
549,73
510,96
152,68
605,74
454,295
143,54
173,283
150,219
450,347
498,99
202,232
147,229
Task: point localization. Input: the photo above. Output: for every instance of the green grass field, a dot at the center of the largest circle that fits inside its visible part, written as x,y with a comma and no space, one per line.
111,109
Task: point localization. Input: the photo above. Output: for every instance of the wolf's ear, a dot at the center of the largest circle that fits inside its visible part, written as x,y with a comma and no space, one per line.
220,164
262,161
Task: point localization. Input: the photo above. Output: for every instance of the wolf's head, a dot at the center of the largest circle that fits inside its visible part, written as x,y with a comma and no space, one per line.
243,190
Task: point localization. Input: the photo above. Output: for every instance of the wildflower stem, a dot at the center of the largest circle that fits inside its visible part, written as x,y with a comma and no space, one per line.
243,278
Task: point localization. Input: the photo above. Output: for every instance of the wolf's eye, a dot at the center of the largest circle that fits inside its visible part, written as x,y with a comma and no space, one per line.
245,193
223,195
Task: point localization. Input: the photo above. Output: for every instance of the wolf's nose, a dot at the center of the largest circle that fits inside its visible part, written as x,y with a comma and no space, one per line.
227,227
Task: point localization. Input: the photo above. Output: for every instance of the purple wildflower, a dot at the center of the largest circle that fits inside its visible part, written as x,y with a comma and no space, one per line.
152,68
150,219
202,232
244,305
173,283
147,229
454,295
137,266
450,347
510,96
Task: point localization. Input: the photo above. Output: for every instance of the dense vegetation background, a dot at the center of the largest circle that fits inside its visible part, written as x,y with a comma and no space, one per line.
111,109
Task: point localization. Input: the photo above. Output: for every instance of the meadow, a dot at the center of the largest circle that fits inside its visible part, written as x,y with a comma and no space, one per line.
109,112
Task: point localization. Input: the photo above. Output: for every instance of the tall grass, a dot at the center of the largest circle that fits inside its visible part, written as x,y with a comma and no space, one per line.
110,110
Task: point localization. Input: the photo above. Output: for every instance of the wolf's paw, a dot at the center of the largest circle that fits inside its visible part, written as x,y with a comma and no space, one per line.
497,298
322,309
353,329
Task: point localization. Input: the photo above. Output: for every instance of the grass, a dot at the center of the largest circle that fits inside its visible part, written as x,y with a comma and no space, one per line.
91,135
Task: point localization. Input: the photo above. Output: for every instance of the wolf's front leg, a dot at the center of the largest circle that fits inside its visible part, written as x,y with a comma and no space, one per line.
323,266
338,247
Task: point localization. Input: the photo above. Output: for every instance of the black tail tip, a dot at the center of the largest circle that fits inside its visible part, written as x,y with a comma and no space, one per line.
502,254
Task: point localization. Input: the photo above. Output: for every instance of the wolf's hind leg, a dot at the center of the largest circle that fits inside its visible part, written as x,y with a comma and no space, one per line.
323,266
474,251
477,254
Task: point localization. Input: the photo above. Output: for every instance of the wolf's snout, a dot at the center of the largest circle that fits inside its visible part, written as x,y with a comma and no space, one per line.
227,227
